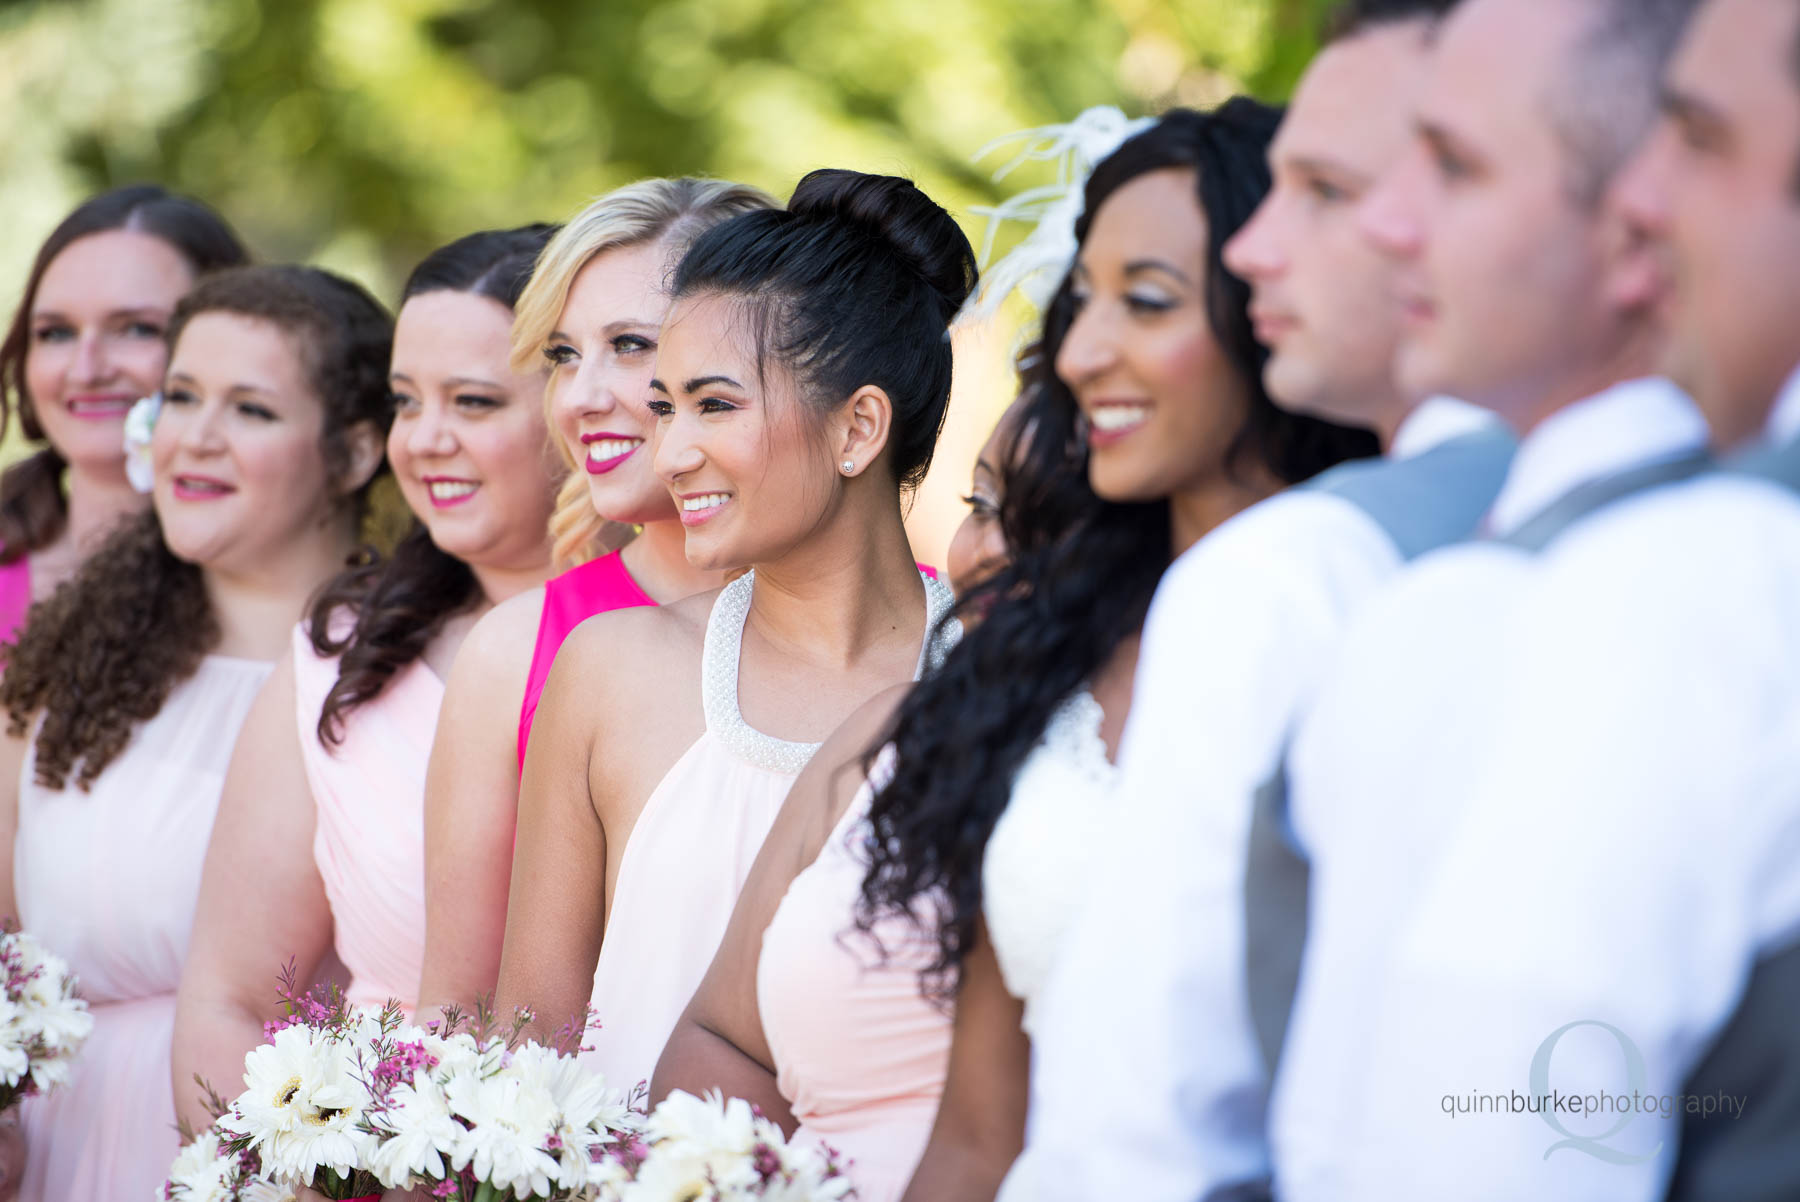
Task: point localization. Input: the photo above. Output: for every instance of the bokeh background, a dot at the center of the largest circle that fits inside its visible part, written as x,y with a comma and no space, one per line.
360,134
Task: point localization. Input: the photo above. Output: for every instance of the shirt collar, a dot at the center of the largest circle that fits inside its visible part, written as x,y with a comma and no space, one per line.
1436,421
1629,424
1784,420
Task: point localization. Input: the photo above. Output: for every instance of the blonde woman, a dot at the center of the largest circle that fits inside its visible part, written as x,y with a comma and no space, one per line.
593,310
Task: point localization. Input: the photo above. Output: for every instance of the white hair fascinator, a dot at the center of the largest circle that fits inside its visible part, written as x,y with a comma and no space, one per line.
138,425
1037,265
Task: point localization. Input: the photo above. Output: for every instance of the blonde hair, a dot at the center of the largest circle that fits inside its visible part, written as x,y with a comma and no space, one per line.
671,211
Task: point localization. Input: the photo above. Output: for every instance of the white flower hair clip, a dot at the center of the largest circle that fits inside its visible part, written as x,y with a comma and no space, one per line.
139,424
1037,265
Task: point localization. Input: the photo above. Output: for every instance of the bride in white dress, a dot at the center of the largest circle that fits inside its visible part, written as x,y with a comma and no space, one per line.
1148,427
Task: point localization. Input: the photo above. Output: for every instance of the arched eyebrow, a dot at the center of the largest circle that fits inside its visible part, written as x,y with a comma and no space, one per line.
699,382
1139,266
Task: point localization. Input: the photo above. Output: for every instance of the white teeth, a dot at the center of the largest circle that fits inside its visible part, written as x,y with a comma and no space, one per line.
1119,417
612,448
450,490
711,500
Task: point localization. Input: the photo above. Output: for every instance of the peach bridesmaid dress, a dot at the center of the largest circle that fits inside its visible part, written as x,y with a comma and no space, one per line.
860,1054
369,839
692,848
108,879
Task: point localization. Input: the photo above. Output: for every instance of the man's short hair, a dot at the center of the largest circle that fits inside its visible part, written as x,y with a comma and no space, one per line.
1359,16
1607,96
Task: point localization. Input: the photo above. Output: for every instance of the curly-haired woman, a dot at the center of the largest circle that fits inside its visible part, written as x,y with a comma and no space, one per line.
319,844
127,688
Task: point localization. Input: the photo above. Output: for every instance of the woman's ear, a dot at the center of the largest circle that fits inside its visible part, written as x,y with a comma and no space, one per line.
367,449
868,417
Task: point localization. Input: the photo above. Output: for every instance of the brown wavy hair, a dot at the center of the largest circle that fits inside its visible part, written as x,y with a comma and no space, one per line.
104,652
400,603
33,509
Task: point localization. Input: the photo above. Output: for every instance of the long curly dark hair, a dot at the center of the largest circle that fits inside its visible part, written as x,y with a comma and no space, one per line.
33,509
400,603
104,652
1082,570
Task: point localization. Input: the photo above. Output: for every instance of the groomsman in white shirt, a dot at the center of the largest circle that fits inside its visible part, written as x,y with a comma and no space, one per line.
1599,987
1527,289
1147,1079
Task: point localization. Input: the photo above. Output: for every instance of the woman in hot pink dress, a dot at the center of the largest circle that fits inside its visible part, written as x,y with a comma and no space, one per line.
319,846
275,402
85,342
591,314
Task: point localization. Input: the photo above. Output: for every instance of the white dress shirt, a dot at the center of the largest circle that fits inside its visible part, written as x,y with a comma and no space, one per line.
1626,846
1147,1082
1385,751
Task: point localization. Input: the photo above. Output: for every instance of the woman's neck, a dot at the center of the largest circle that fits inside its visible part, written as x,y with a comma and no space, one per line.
256,608
1194,513
844,592
498,582
657,561
97,500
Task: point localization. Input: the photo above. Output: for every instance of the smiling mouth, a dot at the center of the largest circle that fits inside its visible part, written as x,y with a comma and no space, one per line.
445,493
99,408
605,454
697,509
199,488
1115,419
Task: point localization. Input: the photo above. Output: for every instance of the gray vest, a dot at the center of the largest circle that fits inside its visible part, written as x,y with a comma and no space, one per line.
1754,1157
1276,872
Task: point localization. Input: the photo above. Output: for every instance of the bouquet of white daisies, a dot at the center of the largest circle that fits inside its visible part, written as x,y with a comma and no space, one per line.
42,1023
350,1103
713,1150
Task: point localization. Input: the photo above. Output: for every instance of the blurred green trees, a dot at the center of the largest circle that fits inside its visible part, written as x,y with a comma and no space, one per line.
360,133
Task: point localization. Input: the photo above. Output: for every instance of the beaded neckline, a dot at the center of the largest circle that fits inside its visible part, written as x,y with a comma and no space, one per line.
719,673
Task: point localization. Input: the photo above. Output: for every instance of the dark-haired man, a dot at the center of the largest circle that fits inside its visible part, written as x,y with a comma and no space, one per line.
1148,1079
1612,933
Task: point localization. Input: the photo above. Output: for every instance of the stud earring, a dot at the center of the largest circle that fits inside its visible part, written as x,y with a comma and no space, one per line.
848,466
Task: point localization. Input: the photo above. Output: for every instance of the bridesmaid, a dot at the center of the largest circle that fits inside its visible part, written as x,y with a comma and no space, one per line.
801,381
978,548
853,1054
591,315
128,687
85,342
318,844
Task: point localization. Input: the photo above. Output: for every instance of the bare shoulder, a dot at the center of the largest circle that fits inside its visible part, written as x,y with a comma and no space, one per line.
646,636
504,637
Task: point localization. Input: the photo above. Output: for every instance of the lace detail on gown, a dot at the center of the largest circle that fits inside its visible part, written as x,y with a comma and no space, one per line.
1033,872
719,672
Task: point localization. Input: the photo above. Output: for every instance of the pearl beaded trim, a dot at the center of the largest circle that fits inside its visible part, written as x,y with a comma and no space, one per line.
719,673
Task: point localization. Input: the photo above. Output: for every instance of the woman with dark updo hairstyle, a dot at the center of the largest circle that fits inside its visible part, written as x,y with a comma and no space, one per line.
802,375
319,845
129,684
86,342
1149,428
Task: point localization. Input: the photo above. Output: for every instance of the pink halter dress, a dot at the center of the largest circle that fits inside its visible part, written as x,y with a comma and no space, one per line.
860,1054
692,848
369,838
569,600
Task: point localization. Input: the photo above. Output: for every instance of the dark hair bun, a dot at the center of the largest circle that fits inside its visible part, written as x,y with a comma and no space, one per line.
918,229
